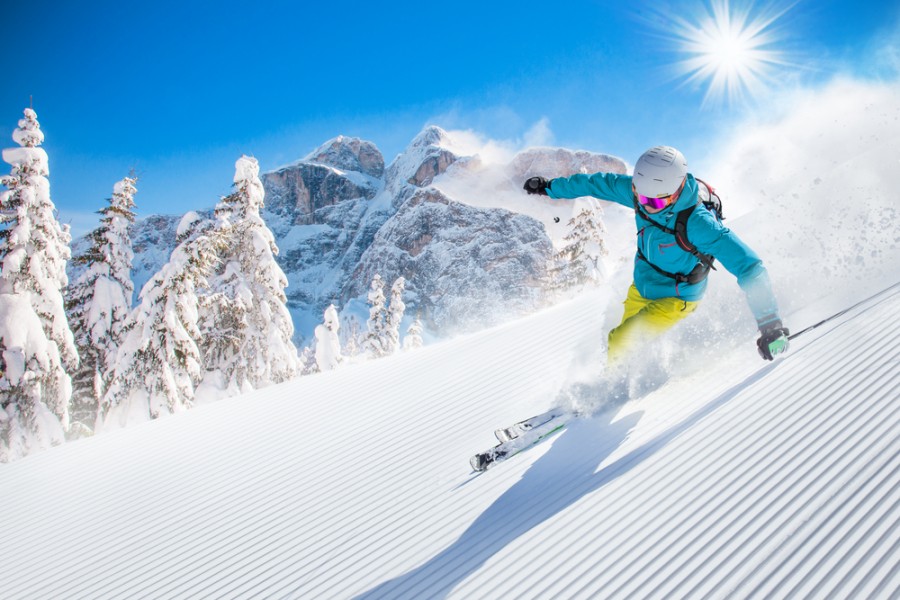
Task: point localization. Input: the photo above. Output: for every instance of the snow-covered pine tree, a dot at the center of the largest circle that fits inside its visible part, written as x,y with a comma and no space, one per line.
352,337
374,344
36,344
248,327
413,338
328,343
579,262
308,365
395,316
159,363
99,303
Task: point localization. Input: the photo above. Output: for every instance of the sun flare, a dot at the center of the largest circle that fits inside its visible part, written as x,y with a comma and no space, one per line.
732,54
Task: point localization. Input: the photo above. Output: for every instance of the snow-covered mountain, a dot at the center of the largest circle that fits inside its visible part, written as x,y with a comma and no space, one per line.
725,478
472,247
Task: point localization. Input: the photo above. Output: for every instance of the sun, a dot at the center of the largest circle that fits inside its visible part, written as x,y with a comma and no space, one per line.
728,50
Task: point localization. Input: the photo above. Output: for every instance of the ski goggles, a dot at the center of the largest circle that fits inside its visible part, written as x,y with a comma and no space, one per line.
662,201
655,203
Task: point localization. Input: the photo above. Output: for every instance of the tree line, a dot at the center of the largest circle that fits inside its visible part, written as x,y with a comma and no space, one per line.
77,357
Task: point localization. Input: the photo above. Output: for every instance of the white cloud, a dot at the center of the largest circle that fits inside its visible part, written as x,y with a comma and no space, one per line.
539,134
494,151
495,133
466,142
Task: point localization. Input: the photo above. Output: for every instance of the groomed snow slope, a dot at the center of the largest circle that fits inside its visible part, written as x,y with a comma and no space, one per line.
743,480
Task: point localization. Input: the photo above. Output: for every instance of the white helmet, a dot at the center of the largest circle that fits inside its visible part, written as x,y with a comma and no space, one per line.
659,172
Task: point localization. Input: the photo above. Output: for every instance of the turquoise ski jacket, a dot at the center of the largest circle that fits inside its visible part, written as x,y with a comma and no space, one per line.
703,230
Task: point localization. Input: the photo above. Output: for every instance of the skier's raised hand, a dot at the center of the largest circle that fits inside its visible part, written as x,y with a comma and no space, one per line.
537,185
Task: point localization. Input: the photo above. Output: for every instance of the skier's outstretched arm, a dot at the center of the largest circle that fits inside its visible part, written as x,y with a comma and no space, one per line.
605,186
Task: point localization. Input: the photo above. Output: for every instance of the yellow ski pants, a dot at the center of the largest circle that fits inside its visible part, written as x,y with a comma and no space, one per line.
645,319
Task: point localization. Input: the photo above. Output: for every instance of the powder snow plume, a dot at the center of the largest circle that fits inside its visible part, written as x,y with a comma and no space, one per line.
819,187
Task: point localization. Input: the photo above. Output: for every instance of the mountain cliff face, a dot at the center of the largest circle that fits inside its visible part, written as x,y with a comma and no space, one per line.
324,211
339,171
340,216
465,267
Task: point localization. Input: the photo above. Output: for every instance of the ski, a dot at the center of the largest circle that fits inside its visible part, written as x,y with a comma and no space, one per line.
539,428
516,429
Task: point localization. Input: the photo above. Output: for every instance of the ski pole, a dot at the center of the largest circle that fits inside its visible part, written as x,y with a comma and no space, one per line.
842,312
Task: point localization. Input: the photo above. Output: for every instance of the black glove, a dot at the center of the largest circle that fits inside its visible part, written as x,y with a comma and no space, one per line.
537,185
773,339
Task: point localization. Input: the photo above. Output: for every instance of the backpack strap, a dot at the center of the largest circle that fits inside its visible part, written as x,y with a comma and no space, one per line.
699,272
710,198
684,243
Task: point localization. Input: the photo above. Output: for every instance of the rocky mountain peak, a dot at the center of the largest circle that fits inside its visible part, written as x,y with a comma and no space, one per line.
349,154
427,156
432,135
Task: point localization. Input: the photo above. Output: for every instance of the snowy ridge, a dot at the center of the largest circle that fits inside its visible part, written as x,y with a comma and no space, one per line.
746,480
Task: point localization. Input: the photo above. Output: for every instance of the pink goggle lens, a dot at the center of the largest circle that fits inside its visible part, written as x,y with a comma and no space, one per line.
656,203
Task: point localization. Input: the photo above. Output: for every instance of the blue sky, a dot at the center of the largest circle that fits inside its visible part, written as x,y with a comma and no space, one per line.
179,91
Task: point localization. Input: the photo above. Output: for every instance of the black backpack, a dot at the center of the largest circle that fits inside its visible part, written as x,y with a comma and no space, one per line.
709,200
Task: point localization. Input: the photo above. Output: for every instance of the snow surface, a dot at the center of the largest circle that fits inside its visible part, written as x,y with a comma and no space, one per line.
736,478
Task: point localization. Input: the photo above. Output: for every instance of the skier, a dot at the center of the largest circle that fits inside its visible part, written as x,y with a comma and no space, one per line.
669,273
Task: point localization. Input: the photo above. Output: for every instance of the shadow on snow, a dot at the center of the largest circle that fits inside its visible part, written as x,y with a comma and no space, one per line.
560,478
